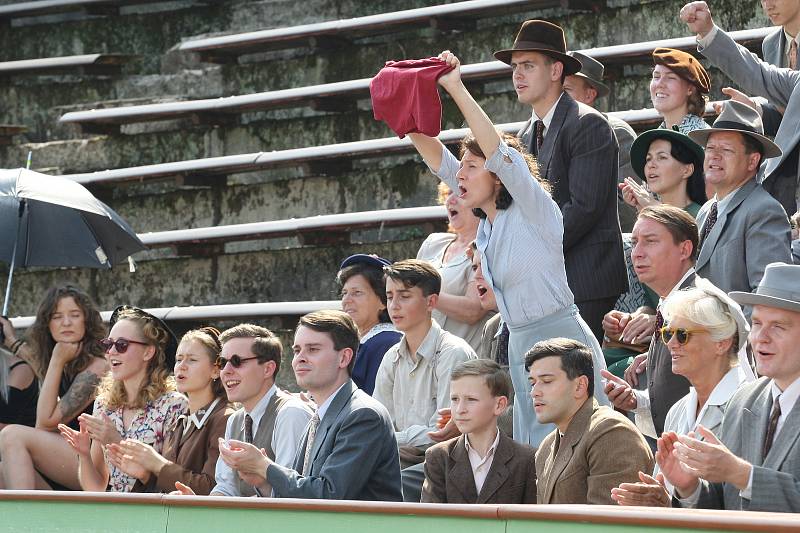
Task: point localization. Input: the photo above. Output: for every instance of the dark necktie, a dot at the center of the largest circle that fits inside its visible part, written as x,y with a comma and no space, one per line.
502,346
659,322
711,219
538,132
772,426
248,429
312,433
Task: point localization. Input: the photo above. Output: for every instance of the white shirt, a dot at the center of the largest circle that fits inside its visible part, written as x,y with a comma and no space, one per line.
548,118
290,426
642,415
322,409
683,417
788,44
481,465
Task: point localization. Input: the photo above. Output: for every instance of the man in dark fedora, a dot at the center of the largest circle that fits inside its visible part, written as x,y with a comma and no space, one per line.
586,86
742,228
754,463
578,154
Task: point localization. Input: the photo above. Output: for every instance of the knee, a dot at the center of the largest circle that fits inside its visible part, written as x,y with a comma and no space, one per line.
12,437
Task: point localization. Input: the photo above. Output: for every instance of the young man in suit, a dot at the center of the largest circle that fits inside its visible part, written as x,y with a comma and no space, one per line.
759,78
593,448
780,48
482,465
578,154
754,463
269,418
349,451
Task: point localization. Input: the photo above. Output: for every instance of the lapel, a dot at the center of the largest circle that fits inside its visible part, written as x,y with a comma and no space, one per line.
711,242
460,472
526,135
341,399
785,440
566,449
754,427
499,471
563,107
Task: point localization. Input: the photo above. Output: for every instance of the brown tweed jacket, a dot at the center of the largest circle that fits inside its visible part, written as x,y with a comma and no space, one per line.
449,479
600,449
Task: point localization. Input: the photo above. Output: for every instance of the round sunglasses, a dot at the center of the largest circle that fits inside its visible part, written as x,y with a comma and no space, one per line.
234,360
681,335
121,344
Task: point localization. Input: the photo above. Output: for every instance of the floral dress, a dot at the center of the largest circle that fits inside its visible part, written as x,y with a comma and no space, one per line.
152,425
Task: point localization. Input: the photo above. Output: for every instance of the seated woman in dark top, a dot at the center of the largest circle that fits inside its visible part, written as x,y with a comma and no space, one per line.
63,351
192,448
18,391
363,291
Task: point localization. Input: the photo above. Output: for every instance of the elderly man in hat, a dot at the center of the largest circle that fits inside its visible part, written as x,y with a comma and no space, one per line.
577,153
753,464
742,228
778,85
586,86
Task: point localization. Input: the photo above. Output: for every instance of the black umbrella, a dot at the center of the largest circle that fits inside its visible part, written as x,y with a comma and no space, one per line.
54,221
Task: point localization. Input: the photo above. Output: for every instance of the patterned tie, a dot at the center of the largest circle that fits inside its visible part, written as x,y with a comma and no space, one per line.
502,346
772,426
793,55
248,429
711,219
538,129
312,432
659,321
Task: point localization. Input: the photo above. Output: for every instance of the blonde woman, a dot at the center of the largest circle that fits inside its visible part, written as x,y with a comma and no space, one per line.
136,400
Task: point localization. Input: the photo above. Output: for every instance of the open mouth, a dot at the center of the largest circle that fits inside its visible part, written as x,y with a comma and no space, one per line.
452,213
231,383
461,191
482,290
115,363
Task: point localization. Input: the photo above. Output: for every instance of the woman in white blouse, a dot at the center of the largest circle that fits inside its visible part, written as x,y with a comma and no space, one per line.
706,333
520,239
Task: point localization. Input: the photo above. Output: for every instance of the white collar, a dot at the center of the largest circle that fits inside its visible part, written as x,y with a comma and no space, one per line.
722,392
722,204
677,286
380,327
788,397
261,407
191,418
322,409
491,449
789,40
548,118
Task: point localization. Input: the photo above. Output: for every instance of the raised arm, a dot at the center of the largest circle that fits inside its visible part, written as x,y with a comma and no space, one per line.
52,410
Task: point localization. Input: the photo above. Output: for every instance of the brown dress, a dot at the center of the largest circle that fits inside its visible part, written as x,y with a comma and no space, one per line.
192,452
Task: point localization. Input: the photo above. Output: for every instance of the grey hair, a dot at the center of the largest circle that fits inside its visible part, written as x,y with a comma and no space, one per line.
708,307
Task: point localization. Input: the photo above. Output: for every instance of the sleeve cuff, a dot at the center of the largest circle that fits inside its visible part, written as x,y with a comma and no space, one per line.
692,499
705,41
747,492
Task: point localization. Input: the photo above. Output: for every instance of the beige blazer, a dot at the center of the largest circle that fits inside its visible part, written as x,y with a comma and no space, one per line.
600,449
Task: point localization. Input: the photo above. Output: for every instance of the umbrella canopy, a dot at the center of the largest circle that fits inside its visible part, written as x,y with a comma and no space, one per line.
55,221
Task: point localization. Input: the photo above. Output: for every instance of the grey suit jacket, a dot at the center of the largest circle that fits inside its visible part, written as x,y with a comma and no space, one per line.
773,50
354,454
580,159
776,477
779,86
751,233
625,137
449,478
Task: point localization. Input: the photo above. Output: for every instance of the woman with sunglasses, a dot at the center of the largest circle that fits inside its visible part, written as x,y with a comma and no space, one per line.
63,352
136,400
706,334
192,448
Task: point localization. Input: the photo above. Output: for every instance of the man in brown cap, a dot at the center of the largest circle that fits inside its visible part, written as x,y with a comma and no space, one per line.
753,464
586,86
578,154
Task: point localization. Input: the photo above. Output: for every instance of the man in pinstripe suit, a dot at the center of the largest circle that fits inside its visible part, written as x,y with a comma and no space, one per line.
578,154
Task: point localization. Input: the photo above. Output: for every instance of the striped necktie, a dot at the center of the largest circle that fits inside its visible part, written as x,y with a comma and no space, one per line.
312,433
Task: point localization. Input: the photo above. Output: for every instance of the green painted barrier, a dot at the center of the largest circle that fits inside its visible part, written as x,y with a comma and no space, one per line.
66,512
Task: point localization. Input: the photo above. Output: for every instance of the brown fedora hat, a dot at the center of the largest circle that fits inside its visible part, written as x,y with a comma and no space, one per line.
543,37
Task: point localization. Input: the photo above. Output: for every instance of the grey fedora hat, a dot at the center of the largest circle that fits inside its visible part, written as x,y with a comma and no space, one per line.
739,118
780,287
592,71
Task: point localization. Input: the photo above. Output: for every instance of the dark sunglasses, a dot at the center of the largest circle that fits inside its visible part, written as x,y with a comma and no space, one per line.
682,335
120,344
235,361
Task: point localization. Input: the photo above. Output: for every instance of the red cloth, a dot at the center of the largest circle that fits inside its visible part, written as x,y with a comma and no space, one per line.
405,96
